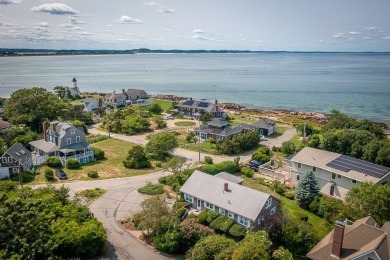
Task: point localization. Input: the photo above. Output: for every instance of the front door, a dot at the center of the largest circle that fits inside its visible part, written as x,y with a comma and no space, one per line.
332,190
199,204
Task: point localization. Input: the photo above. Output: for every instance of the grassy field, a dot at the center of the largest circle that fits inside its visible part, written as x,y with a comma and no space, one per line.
166,105
91,194
319,225
111,167
185,123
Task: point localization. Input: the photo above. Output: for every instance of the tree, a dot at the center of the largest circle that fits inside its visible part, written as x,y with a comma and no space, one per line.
314,141
263,154
78,123
309,129
206,117
175,164
3,146
210,246
32,106
134,124
62,92
155,215
155,108
383,157
160,122
372,199
170,241
76,112
161,145
23,135
254,244
307,189
282,254
288,148
136,158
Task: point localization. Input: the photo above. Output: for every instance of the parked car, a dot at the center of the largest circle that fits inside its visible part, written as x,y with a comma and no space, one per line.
254,165
61,174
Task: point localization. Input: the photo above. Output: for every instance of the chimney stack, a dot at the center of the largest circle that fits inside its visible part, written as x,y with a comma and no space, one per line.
338,236
100,103
123,90
216,105
44,126
225,187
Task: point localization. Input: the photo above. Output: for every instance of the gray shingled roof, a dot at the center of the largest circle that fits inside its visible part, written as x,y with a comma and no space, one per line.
44,146
229,177
18,152
239,199
264,123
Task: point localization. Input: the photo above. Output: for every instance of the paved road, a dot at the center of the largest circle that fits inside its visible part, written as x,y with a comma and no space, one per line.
277,142
119,202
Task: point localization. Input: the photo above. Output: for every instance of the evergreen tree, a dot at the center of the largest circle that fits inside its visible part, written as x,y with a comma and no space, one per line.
136,158
307,189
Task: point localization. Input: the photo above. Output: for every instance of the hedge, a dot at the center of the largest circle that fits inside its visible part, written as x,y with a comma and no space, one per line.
93,174
53,161
217,223
225,226
49,175
237,231
211,215
202,218
73,163
227,166
208,160
99,153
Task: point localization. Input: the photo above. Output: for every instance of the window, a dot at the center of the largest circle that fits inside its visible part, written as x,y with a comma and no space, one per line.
230,214
222,211
243,221
15,170
72,131
299,165
10,159
208,205
314,169
4,159
188,198
369,258
298,177
339,176
384,183
353,181
273,210
77,139
333,175
68,141
260,220
268,203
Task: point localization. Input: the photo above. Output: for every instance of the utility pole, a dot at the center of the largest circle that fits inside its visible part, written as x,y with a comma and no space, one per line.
199,139
20,173
304,132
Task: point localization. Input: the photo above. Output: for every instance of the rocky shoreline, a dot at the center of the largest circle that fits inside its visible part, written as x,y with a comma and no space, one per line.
234,107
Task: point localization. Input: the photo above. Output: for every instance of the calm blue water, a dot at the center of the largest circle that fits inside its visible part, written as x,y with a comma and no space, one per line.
357,84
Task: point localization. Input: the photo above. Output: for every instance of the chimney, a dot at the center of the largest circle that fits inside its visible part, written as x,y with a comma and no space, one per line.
225,187
190,98
44,126
338,236
123,90
216,105
100,102
200,168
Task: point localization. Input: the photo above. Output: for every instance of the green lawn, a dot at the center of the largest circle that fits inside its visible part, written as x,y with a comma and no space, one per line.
185,123
165,105
115,152
319,225
91,194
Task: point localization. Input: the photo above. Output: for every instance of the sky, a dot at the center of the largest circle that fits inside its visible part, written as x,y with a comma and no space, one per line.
258,25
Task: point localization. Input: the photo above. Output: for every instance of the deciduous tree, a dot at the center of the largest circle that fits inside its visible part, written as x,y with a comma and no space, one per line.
161,145
136,158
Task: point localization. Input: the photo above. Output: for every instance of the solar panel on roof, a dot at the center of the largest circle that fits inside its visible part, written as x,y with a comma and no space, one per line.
203,104
346,163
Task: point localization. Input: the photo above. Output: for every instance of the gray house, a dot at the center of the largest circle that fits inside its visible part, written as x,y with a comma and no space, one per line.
196,108
336,174
16,159
225,195
63,140
128,98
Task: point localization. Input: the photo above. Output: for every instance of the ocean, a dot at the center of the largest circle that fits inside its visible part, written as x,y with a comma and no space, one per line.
355,83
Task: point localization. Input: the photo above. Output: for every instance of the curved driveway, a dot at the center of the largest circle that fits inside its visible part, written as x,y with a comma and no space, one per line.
120,200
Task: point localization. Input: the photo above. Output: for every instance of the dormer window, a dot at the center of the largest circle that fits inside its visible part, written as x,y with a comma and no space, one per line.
268,203
72,131
4,159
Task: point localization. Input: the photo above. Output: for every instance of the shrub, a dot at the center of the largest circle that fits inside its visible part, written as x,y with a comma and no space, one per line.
208,160
7,185
96,138
53,161
248,172
211,246
73,163
99,153
158,164
152,189
263,154
211,215
136,158
202,218
290,194
227,166
193,231
278,187
275,149
237,231
170,241
217,223
25,176
93,174
181,212
49,175
225,226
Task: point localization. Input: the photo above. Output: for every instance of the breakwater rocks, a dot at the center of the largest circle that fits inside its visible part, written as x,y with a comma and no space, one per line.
168,97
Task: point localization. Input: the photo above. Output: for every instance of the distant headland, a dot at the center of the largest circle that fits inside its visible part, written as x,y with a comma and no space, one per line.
49,52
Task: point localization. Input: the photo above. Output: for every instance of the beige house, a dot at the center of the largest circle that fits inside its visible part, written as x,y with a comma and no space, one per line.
336,174
363,240
225,194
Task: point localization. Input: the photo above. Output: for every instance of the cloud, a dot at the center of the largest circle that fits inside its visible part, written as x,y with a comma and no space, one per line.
9,2
386,37
167,10
355,33
372,28
54,8
152,4
43,24
198,31
128,20
338,35
367,38
73,20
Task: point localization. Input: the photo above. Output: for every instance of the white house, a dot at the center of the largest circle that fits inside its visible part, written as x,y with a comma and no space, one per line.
336,174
